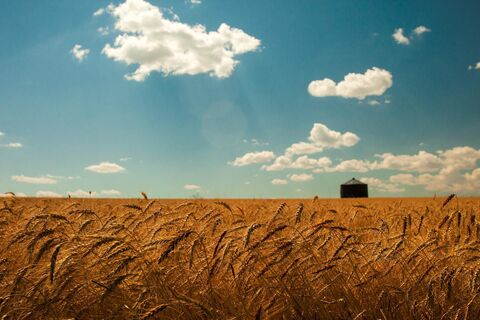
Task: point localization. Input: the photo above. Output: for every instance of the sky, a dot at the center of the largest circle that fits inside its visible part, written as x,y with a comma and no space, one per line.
239,99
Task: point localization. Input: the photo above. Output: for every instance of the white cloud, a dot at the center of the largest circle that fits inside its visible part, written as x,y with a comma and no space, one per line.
155,43
280,163
79,53
253,158
303,162
303,148
62,177
279,182
255,142
404,178
420,30
421,162
48,194
13,145
9,194
191,187
195,2
352,165
125,159
103,31
374,82
99,12
476,66
382,186
105,167
82,193
324,137
321,138
373,103
399,37
34,180
450,176
301,177
1,133
111,192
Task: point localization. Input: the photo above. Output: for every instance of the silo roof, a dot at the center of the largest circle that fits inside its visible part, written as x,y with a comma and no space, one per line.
353,181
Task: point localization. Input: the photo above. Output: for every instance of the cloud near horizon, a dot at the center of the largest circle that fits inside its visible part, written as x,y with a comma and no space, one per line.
156,44
374,82
48,194
451,170
111,192
82,194
105,167
321,138
303,177
279,182
191,187
33,180
13,145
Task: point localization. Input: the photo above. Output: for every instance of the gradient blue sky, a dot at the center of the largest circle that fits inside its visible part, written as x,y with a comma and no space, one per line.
179,130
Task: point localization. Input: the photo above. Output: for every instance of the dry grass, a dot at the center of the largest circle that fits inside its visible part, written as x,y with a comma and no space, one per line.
239,259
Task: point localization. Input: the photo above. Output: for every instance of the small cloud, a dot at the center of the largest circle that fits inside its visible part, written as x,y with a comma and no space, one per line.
255,142
191,187
82,193
34,180
253,158
195,2
418,31
111,192
400,38
1,133
99,12
79,53
374,82
387,101
48,194
13,145
105,167
62,177
247,182
373,103
125,159
103,31
476,66
301,177
279,182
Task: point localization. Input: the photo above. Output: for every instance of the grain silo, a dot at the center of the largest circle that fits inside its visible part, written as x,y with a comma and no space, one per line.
354,189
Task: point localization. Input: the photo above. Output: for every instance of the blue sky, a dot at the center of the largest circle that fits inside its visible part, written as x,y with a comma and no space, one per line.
176,110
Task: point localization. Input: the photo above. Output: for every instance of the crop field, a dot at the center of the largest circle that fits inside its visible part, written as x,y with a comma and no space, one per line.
240,259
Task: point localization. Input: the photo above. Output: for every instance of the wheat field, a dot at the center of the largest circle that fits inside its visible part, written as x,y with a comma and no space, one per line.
240,259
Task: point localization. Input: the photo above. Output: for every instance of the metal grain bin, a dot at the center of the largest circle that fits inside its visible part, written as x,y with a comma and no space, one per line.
354,189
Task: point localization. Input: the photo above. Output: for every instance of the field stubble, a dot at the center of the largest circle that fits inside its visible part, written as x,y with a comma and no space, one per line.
240,259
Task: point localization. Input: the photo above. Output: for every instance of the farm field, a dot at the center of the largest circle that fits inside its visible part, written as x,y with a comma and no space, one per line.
399,258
